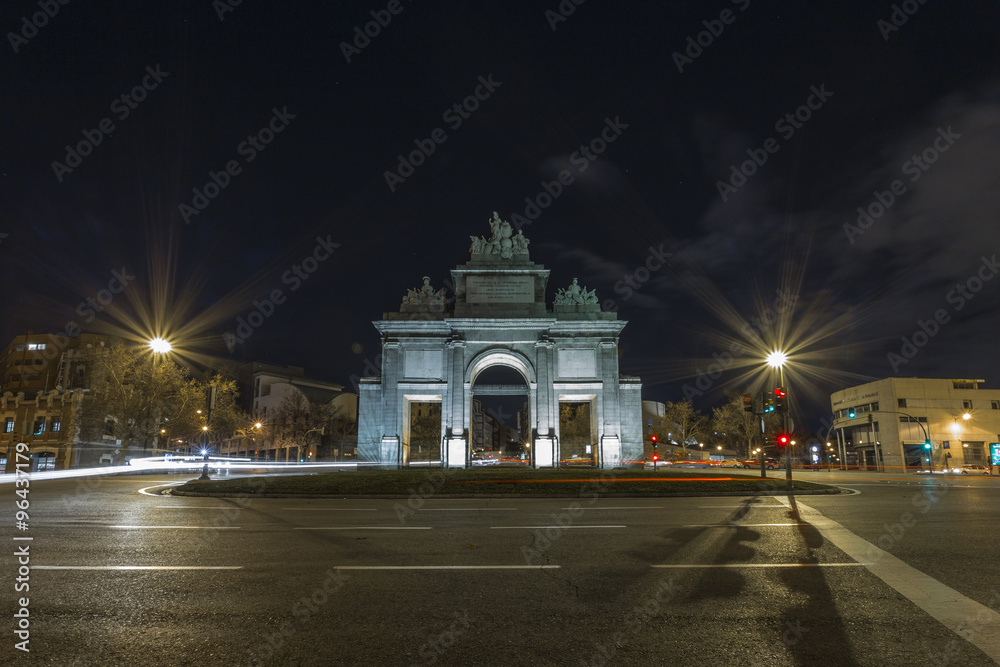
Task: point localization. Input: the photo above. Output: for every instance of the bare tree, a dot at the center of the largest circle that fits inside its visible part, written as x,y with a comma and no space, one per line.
680,419
136,398
292,421
739,425
340,430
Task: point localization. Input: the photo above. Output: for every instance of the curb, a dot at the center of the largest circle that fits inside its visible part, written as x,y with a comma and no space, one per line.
690,494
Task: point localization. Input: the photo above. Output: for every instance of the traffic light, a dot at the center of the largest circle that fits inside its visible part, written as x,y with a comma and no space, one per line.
851,413
656,457
782,440
779,399
927,444
747,404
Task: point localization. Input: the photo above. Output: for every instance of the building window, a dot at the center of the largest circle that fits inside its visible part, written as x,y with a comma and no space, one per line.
20,348
967,405
55,426
8,425
109,427
995,405
901,402
39,426
36,346
964,385
973,452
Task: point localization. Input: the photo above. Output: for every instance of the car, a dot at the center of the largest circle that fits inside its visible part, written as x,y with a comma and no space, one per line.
971,469
484,460
770,464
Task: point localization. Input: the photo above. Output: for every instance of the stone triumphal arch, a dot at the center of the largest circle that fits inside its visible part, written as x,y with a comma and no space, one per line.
435,347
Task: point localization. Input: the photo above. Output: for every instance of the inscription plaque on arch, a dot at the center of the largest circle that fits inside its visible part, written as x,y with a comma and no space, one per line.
500,289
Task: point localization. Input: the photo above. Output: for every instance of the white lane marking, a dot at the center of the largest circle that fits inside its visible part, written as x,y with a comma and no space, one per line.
136,567
682,565
365,528
191,507
469,509
647,507
734,524
446,567
544,527
176,527
331,509
751,505
156,486
954,610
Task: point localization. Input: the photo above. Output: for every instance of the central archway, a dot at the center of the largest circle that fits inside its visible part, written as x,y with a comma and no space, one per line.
500,408
500,418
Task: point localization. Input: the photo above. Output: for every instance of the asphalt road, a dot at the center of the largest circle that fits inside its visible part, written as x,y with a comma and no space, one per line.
902,573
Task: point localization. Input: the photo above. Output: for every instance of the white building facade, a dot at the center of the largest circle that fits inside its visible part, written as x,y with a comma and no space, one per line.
895,418
435,349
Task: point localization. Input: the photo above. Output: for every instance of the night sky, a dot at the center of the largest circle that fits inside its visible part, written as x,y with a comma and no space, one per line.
894,108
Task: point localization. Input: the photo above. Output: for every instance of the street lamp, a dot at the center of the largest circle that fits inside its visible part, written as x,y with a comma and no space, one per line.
777,359
160,345
204,452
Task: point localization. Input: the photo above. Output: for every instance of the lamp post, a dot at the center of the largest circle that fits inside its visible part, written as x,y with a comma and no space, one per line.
204,452
158,346
777,359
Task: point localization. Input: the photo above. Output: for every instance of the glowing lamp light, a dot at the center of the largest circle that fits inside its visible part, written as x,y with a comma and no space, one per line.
160,346
776,359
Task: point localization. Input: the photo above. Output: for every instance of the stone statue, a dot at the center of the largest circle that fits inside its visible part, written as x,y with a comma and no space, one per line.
520,244
502,240
574,295
425,294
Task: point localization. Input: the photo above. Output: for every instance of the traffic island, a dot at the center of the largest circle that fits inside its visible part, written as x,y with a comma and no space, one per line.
456,482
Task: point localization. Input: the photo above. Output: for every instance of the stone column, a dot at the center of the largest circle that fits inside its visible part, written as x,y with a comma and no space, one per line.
609,415
546,452
456,447
392,420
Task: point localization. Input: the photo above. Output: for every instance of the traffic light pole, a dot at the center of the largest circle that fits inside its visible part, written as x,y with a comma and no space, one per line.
784,417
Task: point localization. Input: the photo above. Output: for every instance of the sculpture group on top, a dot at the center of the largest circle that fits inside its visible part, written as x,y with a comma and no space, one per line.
502,242
574,295
424,294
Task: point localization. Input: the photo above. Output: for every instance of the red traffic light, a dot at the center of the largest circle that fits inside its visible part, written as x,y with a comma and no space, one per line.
782,440
779,392
652,438
656,457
